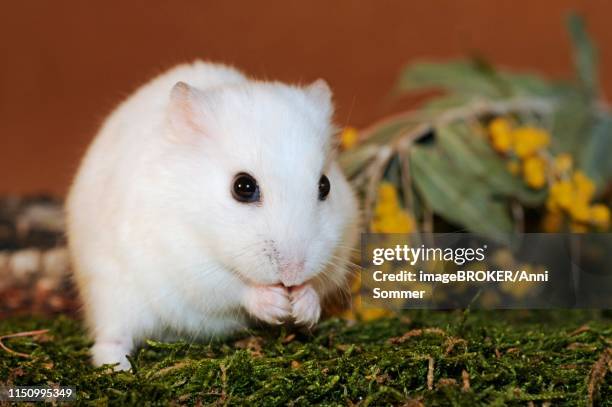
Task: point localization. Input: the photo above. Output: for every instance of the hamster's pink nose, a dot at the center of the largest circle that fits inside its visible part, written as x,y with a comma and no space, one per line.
292,273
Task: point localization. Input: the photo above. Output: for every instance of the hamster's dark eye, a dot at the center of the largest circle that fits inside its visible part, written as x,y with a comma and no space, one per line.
245,188
324,187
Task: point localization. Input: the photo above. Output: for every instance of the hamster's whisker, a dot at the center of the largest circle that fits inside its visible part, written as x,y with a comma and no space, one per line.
349,248
342,284
349,265
329,276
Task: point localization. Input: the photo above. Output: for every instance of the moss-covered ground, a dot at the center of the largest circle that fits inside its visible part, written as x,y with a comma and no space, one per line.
419,358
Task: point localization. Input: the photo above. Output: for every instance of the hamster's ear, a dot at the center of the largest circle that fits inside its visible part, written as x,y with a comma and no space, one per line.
320,93
185,113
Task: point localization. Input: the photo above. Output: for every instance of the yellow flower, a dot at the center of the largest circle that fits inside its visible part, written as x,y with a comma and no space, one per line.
387,192
560,195
579,210
386,209
501,134
399,222
534,172
585,188
552,222
574,197
389,217
403,223
600,216
349,138
563,163
529,140
387,203
500,125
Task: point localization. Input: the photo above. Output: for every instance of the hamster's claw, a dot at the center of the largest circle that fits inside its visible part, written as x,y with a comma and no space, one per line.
268,303
306,305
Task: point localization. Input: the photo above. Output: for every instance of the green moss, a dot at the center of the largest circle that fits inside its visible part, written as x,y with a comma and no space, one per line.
508,357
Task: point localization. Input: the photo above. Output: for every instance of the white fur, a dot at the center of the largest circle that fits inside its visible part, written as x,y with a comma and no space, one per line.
159,244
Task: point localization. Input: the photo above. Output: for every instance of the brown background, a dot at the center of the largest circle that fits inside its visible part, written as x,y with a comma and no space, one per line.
65,64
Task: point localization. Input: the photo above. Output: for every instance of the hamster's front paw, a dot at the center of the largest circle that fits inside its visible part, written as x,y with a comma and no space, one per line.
268,303
306,305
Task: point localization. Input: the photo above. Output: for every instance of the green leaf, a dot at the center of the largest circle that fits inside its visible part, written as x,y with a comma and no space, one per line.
473,79
457,197
472,154
439,104
354,160
528,84
585,55
596,159
463,77
571,125
385,132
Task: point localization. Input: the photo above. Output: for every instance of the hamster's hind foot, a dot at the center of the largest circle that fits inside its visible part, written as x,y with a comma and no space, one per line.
111,352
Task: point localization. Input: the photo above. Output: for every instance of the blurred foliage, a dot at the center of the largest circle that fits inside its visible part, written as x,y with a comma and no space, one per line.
492,152
484,151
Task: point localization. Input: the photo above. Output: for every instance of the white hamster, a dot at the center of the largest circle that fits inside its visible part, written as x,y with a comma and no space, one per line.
208,200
